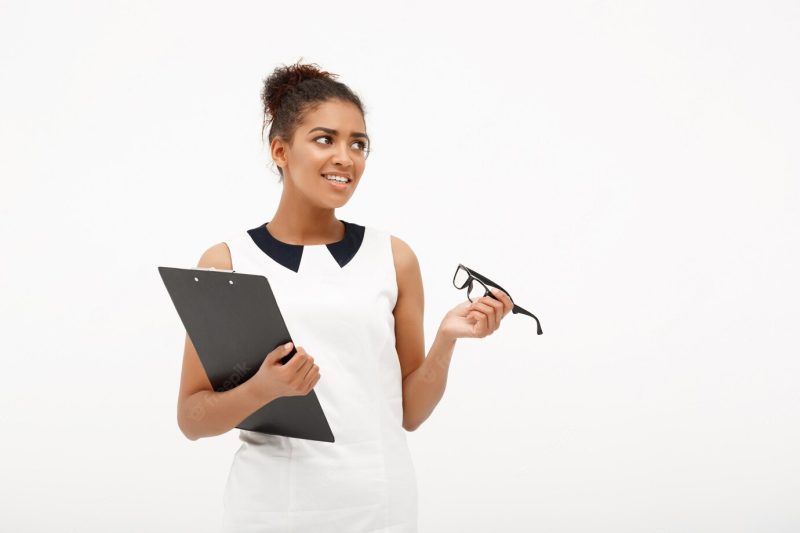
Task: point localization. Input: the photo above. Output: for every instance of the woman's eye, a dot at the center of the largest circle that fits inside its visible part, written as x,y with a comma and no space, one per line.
361,144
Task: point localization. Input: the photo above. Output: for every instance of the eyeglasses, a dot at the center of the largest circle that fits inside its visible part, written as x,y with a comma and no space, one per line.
476,284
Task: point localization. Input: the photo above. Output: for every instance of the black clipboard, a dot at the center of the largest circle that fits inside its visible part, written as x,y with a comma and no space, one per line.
234,321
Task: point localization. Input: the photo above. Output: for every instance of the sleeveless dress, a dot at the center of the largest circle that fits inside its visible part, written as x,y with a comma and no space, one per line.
337,301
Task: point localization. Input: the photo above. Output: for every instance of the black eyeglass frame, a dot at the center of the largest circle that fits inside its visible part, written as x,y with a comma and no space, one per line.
483,280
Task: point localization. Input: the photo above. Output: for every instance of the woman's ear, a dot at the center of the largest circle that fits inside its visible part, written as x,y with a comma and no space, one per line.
278,152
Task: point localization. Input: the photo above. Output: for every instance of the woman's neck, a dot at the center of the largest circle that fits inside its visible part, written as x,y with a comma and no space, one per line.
301,228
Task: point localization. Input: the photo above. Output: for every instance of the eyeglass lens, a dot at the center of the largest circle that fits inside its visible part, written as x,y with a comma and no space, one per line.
477,289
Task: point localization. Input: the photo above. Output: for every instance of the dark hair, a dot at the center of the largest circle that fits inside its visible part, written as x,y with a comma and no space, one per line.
290,92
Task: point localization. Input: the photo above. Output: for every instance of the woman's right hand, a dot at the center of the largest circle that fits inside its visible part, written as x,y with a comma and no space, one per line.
295,378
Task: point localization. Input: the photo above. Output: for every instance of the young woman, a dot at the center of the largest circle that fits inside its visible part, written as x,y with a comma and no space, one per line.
353,296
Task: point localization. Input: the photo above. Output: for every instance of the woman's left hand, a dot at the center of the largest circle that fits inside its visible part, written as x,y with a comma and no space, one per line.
476,319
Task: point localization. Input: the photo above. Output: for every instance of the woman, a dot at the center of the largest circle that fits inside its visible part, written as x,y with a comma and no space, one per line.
353,296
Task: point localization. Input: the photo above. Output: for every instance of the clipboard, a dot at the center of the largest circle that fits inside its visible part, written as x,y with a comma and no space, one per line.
234,321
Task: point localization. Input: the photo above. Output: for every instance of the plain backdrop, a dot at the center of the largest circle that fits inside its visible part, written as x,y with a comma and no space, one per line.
628,171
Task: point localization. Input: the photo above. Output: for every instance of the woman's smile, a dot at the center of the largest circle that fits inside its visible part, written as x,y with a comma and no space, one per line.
337,185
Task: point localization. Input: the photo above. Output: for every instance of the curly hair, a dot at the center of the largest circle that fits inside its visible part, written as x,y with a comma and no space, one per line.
291,92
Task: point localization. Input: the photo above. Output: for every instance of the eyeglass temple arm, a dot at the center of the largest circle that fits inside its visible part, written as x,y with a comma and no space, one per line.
487,280
517,309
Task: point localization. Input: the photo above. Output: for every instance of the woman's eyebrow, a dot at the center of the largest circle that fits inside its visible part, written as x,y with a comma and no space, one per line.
334,132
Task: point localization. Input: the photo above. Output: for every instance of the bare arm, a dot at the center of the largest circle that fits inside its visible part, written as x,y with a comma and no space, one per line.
424,387
202,411
424,378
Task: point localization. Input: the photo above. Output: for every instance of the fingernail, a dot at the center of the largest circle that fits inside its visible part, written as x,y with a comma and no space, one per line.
287,346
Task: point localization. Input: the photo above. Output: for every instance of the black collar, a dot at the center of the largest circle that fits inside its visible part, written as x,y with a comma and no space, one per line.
289,255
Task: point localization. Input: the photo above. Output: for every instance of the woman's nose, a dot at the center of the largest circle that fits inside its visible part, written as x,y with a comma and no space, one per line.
343,155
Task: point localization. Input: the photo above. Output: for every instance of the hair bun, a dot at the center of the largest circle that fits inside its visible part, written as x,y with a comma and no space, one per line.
285,78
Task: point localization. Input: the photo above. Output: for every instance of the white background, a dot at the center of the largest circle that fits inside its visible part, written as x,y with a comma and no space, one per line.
627,170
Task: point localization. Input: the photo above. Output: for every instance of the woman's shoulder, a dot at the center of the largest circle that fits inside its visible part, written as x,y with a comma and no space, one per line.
405,259
217,256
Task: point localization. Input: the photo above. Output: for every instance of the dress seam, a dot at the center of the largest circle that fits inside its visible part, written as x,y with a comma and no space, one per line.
387,241
291,477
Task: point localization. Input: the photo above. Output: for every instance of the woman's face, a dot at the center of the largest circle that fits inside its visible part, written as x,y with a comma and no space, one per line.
330,139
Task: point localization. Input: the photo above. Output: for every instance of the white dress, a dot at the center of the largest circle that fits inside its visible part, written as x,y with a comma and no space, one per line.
337,301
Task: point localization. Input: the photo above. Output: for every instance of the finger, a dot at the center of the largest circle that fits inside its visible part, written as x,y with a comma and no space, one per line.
487,311
482,325
497,315
311,376
508,305
313,382
481,321
307,367
312,368
303,361
277,354
295,361
499,307
483,311
300,378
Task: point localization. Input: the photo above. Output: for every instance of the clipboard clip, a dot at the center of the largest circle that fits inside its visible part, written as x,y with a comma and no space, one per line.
214,269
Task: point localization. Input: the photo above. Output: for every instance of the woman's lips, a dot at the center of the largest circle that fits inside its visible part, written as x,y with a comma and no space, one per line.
336,185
